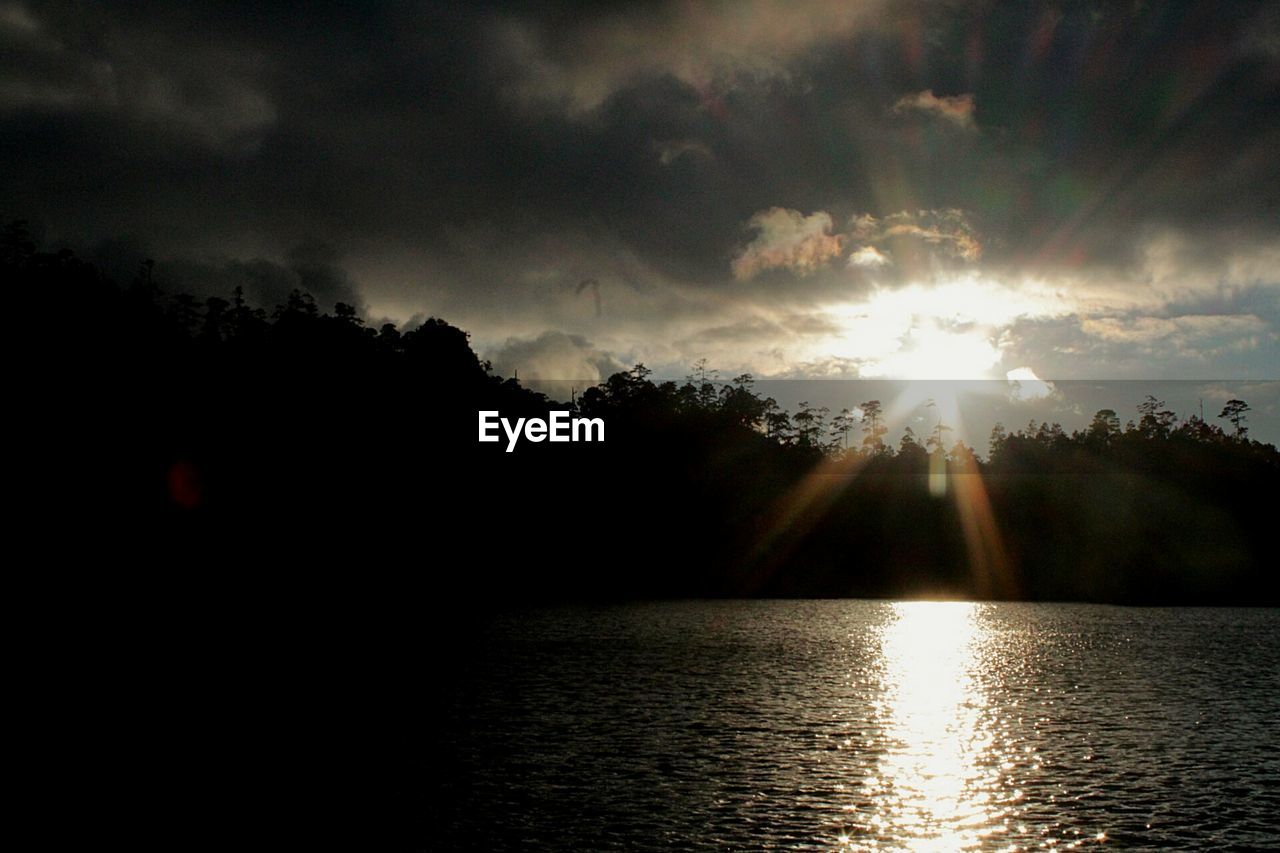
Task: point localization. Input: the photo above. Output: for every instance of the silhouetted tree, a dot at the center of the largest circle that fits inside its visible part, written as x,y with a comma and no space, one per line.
347,314
962,455
703,379
841,426
809,423
1234,411
935,440
1051,436
1104,428
997,439
872,428
16,244
389,337
1196,429
1156,421
912,456
740,405
185,312
778,424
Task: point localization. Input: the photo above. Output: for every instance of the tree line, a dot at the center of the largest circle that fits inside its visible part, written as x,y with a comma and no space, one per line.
862,429
294,451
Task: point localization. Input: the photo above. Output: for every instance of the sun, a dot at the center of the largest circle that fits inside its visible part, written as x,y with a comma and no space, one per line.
947,330
929,352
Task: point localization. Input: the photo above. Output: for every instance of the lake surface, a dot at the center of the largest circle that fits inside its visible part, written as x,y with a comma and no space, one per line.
861,725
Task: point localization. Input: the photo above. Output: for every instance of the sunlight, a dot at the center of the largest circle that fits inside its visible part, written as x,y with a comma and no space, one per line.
800,508
991,570
934,353
921,404
967,299
945,329
932,785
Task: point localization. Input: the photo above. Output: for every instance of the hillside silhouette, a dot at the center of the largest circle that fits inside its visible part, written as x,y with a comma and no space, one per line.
293,454
261,540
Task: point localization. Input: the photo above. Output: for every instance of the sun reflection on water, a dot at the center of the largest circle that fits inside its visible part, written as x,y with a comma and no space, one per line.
935,788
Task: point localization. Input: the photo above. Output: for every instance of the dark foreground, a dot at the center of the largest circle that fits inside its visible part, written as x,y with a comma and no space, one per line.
269,565
248,456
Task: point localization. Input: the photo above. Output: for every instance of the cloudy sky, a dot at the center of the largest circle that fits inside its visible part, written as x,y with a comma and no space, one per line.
826,189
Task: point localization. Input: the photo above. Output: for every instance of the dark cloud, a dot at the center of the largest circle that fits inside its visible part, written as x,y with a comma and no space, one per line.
265,283
314,268
481,160
554,355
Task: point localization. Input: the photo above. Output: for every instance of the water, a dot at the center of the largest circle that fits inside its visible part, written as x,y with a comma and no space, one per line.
862,725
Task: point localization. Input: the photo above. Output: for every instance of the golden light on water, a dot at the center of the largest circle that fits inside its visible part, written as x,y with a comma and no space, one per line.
934,788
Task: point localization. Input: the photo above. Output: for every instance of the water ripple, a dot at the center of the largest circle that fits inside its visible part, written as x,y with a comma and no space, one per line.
861,725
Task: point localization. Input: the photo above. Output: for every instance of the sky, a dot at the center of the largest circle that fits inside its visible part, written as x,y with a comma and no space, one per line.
941,190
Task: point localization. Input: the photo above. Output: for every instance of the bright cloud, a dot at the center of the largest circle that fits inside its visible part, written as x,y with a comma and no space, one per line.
1141,330
1025,385
787,239
868,257
957,109
949,229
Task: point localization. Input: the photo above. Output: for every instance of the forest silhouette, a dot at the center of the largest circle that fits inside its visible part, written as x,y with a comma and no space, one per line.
294,454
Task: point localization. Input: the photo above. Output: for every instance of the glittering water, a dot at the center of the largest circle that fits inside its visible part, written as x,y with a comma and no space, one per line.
858,725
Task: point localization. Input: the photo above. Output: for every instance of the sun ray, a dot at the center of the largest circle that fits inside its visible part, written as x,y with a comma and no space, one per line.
990,567
798,511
